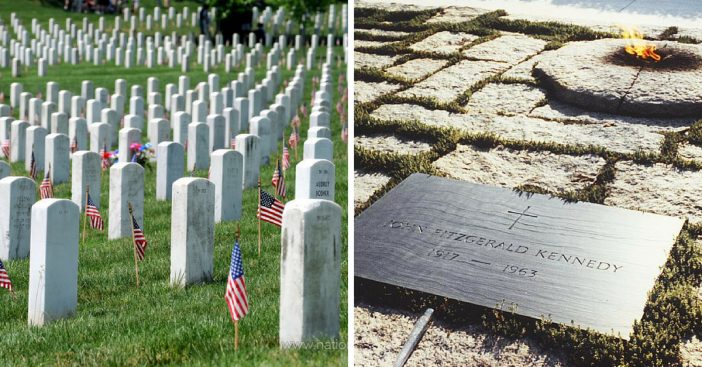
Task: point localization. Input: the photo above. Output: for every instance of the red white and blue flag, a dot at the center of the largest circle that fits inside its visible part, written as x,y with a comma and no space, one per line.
92,212
286,156
236,298
4,278
140,242
46,189
6,148
278,181
270,209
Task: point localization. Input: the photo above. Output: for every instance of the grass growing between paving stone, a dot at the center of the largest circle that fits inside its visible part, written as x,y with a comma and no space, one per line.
117,324
673,312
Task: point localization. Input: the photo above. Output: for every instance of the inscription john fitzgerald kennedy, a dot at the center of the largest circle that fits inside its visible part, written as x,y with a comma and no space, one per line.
497,244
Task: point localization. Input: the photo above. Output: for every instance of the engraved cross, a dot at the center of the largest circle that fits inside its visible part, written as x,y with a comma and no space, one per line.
520,216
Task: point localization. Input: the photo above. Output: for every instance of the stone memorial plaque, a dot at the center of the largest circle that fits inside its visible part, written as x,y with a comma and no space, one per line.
586,263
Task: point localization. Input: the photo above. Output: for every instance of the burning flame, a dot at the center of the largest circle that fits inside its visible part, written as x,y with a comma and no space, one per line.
637,46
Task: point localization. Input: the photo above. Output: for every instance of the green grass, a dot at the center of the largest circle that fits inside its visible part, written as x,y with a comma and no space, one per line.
118,324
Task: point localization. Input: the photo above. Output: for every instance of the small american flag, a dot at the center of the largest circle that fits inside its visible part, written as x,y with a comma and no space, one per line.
286,156
232,142
33,167
4,278
140,242
270,209
278,181
92,212
293,138
46,189
236,298
74,145
345,134
6,148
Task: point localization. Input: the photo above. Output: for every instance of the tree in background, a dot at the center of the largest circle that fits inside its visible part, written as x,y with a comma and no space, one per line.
235,15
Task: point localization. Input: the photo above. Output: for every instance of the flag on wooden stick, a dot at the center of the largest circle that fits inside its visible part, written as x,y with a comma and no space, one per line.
140,242
4,278
6,148
46,189
270,209
92,212
236,298
278,180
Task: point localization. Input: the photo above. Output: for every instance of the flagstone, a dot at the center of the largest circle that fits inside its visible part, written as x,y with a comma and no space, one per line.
362,60
656,188
510,48
369,91
416,68
510,168
505,99
444,43
391,144
366,184
449,83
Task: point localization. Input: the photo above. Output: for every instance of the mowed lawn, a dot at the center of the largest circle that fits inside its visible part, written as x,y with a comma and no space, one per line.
118,324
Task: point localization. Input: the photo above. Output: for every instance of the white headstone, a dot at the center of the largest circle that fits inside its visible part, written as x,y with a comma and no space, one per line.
315,179
218,132
159,130
170,165
192,231
127,137
126,186
78,132
17,195
198,146
85,173
53,266
57,157
181,120
226,172
35,143
318,148
310,271
248,146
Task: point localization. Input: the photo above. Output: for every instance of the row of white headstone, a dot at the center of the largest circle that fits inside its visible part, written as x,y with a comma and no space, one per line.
74,45
311,223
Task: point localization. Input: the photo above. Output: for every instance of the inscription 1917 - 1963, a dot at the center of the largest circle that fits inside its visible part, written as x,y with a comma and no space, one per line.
580,262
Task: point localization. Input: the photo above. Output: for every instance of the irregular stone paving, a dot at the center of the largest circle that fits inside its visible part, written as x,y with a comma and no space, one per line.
523,69
362,60
443,42
509,48
505,99
449,83
454,14
620,136
391,144
381,332
658,189
520,112
365,184
368,91
509,168
416,68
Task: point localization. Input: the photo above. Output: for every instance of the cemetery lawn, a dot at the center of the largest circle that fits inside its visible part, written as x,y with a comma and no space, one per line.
425,102
118,324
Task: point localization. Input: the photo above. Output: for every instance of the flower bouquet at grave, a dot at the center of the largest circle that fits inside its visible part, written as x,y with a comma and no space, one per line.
141,154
